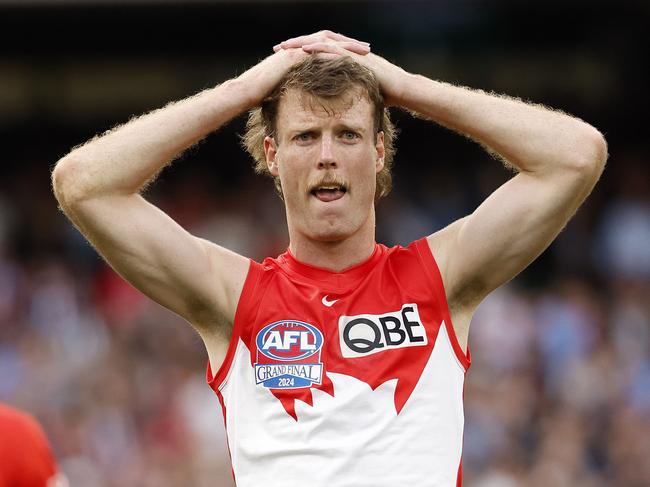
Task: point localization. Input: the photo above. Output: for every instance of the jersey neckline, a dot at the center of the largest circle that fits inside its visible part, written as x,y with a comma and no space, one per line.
326,277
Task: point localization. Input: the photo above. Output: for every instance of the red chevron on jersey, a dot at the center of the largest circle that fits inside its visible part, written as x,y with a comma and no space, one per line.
379,346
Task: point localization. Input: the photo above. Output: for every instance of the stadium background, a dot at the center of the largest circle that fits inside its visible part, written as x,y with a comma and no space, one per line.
559,391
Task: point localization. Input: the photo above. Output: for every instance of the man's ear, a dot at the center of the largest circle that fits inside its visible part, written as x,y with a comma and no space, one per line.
381,152
271,151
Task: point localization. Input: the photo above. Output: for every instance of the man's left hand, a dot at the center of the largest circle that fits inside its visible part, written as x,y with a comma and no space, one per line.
329,43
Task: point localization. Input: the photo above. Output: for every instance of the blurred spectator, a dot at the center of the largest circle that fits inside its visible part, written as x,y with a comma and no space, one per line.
625,229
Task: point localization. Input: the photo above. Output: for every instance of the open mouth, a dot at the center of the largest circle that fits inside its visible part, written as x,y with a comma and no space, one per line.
327,193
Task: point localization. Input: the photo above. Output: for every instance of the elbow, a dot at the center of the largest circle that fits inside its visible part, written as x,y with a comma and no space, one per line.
592,153
66,182
598,152
60,173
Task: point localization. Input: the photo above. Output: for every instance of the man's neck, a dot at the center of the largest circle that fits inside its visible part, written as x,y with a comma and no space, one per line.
335,256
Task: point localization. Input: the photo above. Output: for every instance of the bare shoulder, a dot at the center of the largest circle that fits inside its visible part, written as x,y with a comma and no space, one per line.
443,244
215,326
231,269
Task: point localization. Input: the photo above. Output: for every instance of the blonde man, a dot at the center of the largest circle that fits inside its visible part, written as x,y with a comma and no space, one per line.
340,362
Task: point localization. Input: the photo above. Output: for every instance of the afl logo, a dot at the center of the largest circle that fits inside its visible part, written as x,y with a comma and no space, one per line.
288,355
289,340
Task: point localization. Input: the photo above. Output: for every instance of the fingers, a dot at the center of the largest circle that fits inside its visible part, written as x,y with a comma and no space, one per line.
319,36
355,47
338,48
323,47
340,37
351,44
297,42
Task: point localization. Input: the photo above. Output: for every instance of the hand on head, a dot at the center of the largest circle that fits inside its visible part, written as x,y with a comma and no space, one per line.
326,42
329,44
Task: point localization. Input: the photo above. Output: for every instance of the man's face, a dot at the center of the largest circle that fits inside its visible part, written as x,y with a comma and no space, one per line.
327,158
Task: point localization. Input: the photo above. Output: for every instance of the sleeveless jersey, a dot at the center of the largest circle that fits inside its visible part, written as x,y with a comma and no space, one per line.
344,379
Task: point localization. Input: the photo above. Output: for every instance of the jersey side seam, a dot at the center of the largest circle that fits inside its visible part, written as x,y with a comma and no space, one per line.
250,285
433,273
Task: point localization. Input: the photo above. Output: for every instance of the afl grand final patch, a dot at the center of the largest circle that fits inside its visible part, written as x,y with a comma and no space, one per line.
288,355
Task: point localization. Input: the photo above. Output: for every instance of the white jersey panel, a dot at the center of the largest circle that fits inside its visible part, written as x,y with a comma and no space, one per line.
353,439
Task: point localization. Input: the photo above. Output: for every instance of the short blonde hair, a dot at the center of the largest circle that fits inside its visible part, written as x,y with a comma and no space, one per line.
328,79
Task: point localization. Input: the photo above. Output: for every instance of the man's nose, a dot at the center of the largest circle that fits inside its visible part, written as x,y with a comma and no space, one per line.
327,159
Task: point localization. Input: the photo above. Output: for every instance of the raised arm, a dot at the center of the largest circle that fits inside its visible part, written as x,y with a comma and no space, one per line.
558,159
98,187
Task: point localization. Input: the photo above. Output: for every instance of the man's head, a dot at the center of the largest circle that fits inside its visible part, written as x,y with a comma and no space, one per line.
328,80
325,126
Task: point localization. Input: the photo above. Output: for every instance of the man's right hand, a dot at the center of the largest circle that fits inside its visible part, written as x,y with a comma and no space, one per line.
325,36
262,78
326,43
258,81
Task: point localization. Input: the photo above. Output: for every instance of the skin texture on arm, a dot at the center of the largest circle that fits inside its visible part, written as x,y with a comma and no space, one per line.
558,158
98,187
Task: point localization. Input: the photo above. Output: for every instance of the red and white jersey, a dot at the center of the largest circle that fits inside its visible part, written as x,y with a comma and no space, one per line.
344,379
26,458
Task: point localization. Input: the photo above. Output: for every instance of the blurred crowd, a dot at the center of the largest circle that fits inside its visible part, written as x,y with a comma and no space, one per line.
558,393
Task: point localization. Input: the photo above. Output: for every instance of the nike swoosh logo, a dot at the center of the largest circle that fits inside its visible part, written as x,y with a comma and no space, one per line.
328,303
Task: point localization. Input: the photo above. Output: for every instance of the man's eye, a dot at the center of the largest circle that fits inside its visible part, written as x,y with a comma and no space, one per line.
305,136
349,135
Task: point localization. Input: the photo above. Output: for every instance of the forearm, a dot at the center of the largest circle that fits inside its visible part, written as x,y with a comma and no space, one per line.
124,159
530,137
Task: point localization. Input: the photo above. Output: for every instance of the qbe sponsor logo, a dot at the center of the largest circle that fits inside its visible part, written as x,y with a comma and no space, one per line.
288,355
362,335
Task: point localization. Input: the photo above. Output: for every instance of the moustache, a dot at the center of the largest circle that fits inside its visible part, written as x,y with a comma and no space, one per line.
329,179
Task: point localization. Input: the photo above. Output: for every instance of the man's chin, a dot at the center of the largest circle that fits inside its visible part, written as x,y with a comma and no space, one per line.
324,232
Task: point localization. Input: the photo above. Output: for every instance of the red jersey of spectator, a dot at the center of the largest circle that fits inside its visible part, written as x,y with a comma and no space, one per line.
26,459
